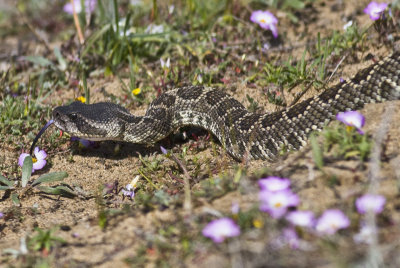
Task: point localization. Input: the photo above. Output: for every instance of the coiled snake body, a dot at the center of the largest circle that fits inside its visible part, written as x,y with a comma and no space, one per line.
242,133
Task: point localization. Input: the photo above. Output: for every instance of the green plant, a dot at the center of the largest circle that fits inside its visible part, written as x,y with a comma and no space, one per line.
44,240
15,188
347,142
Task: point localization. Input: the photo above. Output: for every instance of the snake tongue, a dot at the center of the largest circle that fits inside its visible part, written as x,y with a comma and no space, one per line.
51,121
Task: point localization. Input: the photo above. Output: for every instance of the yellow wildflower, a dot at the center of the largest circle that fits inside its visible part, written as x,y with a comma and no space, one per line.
81,99
258,223
136,91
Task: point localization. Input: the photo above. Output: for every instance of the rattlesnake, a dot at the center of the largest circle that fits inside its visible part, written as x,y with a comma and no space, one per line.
241,133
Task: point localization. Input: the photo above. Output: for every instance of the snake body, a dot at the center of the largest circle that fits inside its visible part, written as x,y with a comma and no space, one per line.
242,133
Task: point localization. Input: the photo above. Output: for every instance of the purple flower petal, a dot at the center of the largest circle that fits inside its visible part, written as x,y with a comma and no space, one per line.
83,142
277,203
331,221
39,154
90,5
163,150
38,159
274,184
219,229
370,202
301,218
274,30
130,194
352,119
21,159
375,10
86,143
291,238
235,208
39,164
129,191
266,20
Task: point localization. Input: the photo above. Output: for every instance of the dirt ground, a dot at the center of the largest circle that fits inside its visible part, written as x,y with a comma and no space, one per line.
139,230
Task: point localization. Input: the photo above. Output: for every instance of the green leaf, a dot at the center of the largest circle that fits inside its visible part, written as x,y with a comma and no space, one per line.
351,154
38,60
51,177
15,199
92,39
295,4
292,17
62,63
59,190
66,191
26,170
316,152
5,181
2,188
49,190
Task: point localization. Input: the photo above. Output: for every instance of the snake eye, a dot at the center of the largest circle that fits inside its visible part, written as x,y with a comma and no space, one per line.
73,116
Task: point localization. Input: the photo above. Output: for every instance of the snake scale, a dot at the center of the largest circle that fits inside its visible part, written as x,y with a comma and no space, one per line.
241,133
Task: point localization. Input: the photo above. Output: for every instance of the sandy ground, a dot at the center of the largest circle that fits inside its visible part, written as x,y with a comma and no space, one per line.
127,233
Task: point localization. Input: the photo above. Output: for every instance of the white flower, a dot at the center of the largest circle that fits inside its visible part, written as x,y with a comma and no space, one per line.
165,65
347,25
154,29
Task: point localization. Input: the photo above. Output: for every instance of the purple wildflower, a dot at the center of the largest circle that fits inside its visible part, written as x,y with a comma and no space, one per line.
277,203
331,221
38,160
1,215
90,5
219,229
301,218
375,10
370,202
266,20
265,47
274,184
290,237
352,119
83,143
129,191
235,208
109,188
163,150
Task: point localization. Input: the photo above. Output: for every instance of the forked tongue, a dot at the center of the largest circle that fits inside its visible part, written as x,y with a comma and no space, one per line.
51,121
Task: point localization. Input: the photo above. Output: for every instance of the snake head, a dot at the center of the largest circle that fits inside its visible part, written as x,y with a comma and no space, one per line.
99,121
